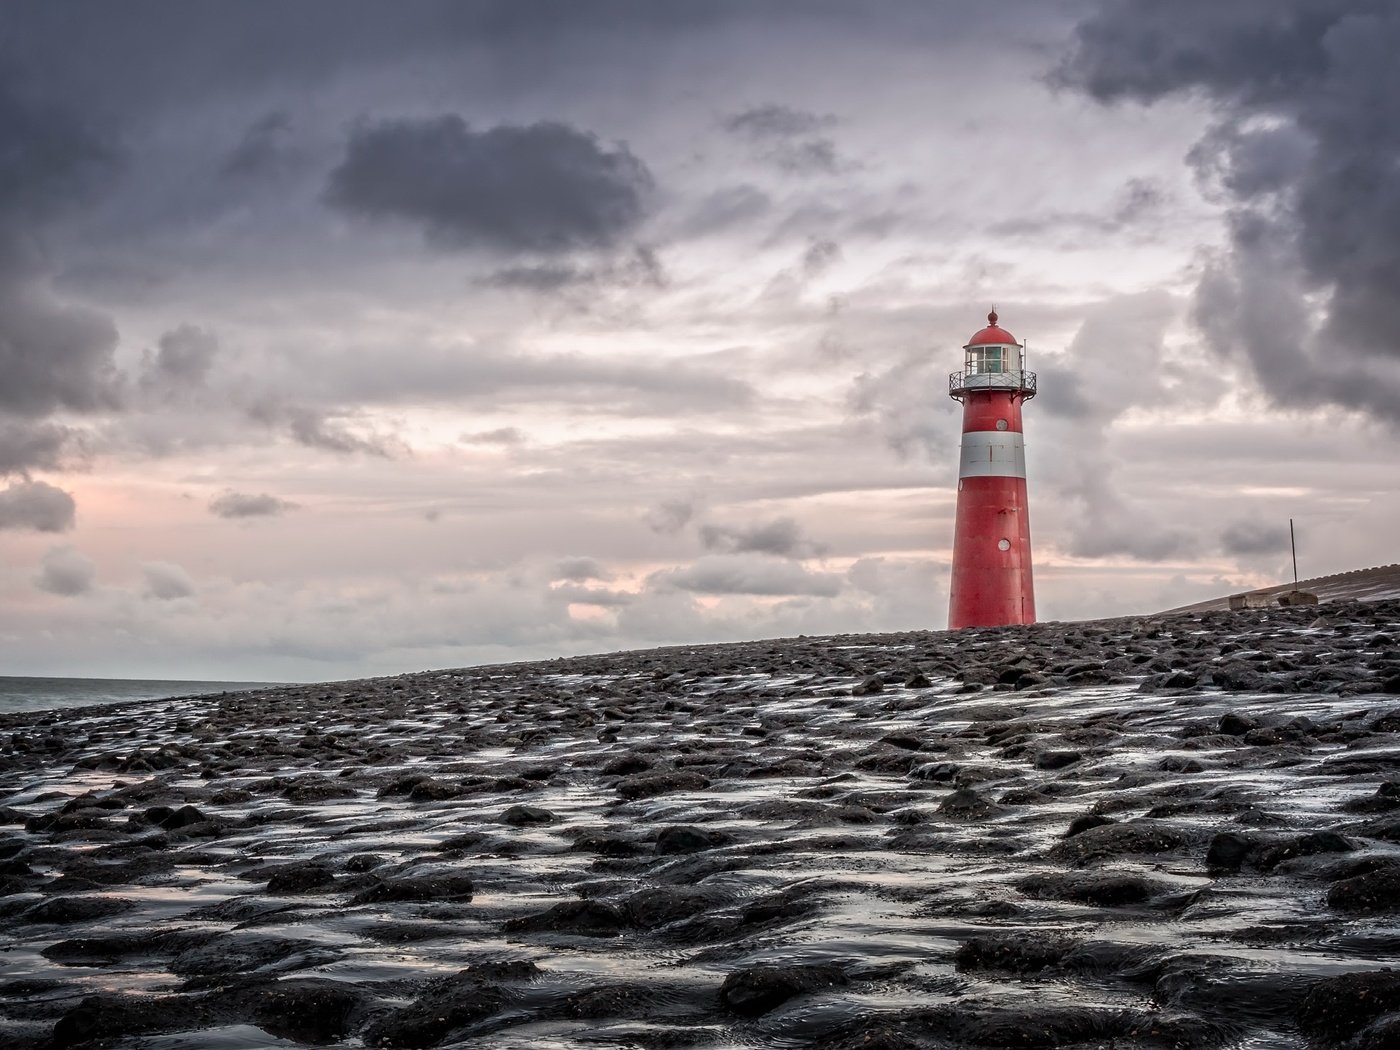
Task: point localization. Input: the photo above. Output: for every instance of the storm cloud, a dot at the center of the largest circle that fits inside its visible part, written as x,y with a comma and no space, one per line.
1304,155
544,187
53,355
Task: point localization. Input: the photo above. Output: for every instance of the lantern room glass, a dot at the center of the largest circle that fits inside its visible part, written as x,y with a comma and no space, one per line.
993,359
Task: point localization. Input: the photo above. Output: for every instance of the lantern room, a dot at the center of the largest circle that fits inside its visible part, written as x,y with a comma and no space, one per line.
994,361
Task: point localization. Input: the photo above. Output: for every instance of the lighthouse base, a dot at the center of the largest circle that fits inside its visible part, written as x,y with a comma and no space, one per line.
991,582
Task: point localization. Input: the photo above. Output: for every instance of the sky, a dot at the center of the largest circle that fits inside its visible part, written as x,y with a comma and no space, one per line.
342,338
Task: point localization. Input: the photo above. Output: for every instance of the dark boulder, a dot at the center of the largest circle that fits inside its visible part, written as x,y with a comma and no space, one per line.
650,908
1057,759
1084,822
301,878
683,838
649,785
1337,1008
756,990
450,1004
1371,893
586,918
438,887
1023,953
1111,841
63,911
521,816
1102,889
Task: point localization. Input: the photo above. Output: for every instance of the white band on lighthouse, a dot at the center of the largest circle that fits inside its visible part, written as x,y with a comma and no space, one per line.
992,454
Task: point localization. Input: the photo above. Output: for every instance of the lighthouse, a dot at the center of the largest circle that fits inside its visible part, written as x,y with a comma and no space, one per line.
991,583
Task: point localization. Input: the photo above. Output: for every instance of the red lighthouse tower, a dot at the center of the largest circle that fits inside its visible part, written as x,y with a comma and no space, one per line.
992,538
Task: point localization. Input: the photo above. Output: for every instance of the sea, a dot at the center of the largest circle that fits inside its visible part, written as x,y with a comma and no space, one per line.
44,694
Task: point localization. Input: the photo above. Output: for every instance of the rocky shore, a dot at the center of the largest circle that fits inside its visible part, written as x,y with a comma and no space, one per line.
1176,831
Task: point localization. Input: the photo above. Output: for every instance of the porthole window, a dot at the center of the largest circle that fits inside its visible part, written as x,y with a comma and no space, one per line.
1001,424
1003,545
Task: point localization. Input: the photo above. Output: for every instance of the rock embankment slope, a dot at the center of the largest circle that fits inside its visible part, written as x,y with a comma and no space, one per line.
1176,831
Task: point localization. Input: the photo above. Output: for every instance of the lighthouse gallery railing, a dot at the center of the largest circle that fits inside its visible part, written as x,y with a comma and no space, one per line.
962,382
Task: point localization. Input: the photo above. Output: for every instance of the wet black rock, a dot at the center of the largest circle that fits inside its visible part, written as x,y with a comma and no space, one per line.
1086,821
756,990
1337,1008
301,878
450,1004
522,816
432,887
113,1015
1129,838
649,785
969,804
64,911
587,918
648,909
1057,759
609,1000
683,838
1021,953
1236,724
244,952
1103,889
1227,851
1370,893
305,1010
623,765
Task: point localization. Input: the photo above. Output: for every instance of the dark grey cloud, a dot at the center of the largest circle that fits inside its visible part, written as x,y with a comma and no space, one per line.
641,268
51,156
1304,156
1254,537
772,121
265,148
790,138
65,572
247,505
36,506
545,187
165,581
28,445
782,537
54,355
181,362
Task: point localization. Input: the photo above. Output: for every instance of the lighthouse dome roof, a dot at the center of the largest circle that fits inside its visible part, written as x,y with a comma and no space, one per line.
993,334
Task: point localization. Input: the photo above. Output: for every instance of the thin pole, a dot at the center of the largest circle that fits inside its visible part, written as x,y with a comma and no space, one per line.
1293,542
